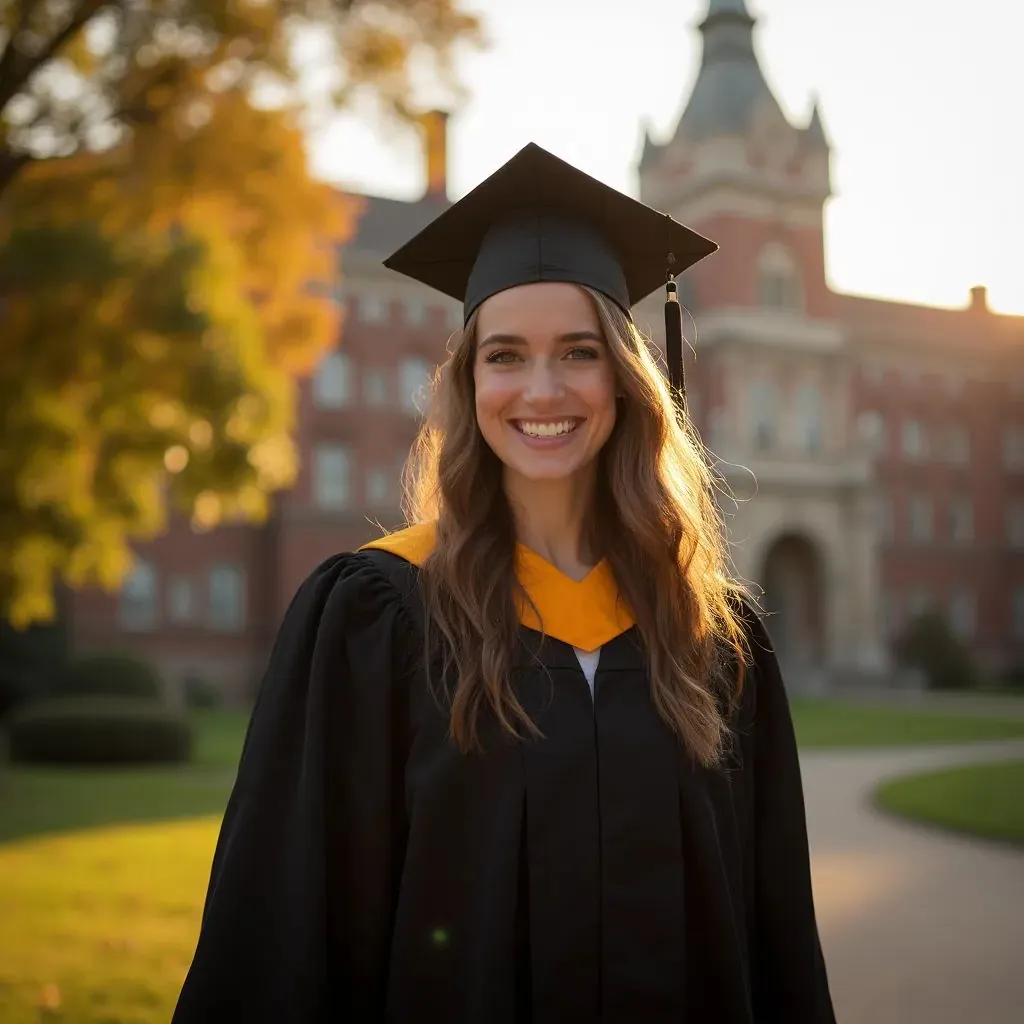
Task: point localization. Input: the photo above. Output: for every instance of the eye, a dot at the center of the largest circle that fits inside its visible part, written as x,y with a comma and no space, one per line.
583,352
502,356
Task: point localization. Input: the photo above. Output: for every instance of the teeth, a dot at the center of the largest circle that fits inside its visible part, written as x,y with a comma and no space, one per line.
547,429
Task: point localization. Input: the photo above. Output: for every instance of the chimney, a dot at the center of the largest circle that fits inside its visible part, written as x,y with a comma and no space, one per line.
435,136
979,299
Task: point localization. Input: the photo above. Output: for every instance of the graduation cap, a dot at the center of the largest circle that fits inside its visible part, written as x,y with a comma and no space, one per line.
538,218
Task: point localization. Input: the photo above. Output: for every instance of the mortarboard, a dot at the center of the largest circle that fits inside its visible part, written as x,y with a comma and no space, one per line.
538,218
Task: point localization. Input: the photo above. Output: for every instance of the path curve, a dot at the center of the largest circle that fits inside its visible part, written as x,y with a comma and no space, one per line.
918,926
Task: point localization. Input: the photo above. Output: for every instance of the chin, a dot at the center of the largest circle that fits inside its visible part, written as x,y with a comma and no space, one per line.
538,470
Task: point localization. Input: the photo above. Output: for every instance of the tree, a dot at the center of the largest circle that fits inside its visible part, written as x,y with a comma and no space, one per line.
81,74
164,256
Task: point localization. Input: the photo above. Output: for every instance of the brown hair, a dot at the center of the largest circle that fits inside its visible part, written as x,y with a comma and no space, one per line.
655,521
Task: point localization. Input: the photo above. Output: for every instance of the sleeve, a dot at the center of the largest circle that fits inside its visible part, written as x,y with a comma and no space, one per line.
789,978
297,920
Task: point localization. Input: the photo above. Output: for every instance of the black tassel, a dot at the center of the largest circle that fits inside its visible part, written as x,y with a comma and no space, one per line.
674,341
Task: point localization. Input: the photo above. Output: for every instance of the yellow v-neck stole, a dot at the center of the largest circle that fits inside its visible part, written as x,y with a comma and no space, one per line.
585,613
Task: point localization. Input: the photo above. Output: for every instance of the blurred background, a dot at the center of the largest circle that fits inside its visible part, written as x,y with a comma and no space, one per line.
209,383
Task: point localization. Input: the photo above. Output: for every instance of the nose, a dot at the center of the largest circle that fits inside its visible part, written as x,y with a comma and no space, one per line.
544,384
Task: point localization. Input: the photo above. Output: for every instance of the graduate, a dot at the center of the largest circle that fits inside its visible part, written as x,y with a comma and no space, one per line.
529,759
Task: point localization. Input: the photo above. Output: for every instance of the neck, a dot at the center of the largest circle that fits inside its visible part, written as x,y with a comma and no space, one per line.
551,517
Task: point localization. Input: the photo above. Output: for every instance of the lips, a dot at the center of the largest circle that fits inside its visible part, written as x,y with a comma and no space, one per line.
545,429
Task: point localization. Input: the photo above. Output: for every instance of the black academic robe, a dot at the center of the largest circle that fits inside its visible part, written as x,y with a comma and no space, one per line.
367,871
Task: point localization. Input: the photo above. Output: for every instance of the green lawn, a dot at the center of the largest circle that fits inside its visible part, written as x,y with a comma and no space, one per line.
983,799
103,873
828,723
39,800
103,921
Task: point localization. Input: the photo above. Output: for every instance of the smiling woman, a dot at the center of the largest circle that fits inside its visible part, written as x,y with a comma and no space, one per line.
530,758
545,389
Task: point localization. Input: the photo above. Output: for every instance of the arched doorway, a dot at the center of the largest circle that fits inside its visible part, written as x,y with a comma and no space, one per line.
795,597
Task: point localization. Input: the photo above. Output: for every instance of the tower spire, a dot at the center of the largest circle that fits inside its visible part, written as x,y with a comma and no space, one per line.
815,133
730,86
727,7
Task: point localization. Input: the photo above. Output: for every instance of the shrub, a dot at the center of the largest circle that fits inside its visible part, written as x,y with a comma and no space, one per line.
98,730
31,662
200,694
928,644
111,675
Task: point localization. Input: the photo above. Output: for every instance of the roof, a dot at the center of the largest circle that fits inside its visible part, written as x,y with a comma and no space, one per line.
730,85
728,7
964,329
386,224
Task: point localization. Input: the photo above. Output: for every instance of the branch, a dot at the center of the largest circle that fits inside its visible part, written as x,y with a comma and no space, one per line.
10,164
16,67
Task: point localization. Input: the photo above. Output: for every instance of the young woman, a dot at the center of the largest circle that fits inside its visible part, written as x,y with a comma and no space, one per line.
529,759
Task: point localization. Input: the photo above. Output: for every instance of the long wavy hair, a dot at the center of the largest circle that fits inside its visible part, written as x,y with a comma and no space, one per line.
654,519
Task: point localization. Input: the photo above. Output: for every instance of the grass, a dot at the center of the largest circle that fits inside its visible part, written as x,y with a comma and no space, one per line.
984,800
102,880
828,723
41,800
103,873
102,923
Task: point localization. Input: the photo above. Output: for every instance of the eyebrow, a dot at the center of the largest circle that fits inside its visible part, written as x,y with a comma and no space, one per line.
518,339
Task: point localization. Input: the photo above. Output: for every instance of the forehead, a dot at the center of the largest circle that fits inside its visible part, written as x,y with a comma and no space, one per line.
537,309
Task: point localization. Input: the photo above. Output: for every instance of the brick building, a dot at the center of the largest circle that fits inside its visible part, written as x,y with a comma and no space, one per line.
886,439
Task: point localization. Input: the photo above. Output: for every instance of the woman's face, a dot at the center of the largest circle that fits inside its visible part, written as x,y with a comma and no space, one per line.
545,384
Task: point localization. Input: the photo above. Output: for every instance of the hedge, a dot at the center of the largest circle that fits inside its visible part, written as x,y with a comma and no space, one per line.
98,730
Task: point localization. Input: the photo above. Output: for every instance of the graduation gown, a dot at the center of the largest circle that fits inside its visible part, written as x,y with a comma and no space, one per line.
368,871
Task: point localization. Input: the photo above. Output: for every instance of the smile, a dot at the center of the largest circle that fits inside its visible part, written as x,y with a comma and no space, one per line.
547,428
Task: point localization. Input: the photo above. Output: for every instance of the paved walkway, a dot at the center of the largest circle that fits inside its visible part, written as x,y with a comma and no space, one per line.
918,927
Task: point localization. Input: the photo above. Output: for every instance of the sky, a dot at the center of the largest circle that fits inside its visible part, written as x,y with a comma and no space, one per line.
923,101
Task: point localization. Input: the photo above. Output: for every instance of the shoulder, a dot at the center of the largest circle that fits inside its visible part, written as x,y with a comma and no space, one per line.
414,544
354,590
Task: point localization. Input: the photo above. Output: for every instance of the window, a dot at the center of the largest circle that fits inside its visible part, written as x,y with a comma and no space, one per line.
139,598
414,376
874,372
687,292
1015,524
415,312
961,521
693,405
227,597
919,602
332,382
914,442
718,428
883,519
810,417
1018,613
958,445
764,414
181,600
872,430
375,387
888,614
920,519
1013,447
373,308
378,487
961,613
778,278
331,471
